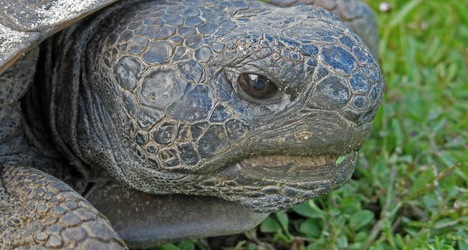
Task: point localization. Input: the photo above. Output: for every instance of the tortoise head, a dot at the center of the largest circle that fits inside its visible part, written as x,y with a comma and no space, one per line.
258,105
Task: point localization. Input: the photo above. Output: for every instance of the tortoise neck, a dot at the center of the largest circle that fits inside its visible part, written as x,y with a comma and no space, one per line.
40,144
74,112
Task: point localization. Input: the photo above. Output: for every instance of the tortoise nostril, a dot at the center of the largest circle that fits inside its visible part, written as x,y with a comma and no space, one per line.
360,114
369,115
352,115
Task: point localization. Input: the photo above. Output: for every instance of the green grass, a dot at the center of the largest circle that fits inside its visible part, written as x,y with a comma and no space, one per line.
410,188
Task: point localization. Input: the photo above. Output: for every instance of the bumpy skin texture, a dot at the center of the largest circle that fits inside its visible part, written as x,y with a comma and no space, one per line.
36,209
155,99
153,94
356,15
40,210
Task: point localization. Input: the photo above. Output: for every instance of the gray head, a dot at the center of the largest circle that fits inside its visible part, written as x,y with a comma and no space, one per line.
259,105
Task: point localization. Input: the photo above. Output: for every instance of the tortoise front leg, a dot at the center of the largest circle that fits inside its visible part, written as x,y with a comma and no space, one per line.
36,209
39,210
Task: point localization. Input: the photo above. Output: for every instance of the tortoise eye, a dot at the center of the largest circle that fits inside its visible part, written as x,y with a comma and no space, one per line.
257,86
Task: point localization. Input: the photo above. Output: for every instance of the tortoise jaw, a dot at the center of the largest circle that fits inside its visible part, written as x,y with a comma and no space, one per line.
282,181
293,169
298,168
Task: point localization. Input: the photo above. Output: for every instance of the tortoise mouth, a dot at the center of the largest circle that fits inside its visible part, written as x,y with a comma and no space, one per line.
293,169
282,181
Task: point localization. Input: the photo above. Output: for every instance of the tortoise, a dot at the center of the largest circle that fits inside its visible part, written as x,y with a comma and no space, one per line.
147,121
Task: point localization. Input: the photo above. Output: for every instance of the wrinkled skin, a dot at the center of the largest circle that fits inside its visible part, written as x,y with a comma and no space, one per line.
261,106
176,119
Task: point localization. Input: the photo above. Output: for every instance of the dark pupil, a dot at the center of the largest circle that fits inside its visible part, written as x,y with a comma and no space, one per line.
257,86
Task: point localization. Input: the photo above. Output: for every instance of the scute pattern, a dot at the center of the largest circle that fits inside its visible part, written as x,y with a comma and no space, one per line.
166,90
44,212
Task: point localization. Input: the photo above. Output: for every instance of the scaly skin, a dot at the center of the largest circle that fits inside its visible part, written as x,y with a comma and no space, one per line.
36,209
356,15
153,94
